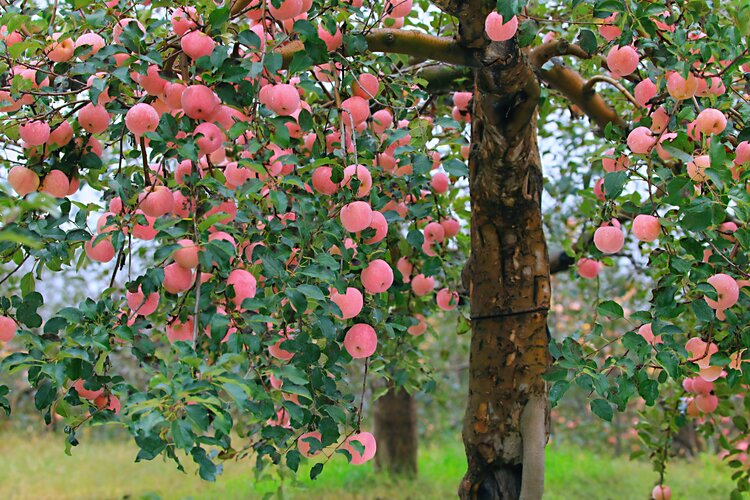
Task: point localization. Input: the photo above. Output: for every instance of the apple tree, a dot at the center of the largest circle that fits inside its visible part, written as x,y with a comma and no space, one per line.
277,188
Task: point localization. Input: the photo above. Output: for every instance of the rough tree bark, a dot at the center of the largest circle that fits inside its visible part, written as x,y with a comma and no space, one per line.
507,276
396,433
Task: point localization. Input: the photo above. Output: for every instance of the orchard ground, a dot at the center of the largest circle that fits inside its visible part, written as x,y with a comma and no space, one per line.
34,467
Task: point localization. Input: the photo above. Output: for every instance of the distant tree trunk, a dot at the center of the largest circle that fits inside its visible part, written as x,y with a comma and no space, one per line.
507,275
396,433
687,442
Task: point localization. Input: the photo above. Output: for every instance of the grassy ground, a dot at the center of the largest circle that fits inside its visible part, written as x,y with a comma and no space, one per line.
36,468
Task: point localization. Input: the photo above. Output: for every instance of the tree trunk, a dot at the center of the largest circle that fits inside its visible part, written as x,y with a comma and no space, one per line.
396,433
507,275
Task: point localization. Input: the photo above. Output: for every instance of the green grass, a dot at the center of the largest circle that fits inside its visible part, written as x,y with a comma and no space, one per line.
35,467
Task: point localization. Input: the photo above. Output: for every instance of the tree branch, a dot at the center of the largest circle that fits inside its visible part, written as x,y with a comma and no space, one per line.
559,262
547,51
442,78
571,85
588,87
238,6
471,15
408,42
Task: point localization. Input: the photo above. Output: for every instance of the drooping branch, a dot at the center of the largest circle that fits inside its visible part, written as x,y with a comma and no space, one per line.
408,42
571,85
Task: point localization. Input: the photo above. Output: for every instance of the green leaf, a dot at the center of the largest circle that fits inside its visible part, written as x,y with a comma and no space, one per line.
527,32
587,41
316,470
312,292
676,152
218,18
611,309
206,468
602,409
456,167
557,390
702,311
614,182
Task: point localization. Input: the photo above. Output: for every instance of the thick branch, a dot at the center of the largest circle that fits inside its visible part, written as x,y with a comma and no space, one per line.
571,85
444,78
421,45
547,51
588,87
559,262
411,43
471,15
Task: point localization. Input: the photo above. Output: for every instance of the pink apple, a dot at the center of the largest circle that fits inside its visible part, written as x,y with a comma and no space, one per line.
23,180
422,285
141,118
103,251
377,277
646,227
711,121
197,44
588,268
609,238
622,61
55,183
200,102
681,88
140,304
7,329
447,300
356,216
640,140
497,30
244,285
361,341
177,278
34,133
365,439
180,331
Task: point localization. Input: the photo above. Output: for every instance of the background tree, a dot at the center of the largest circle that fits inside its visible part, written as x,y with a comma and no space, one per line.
301,193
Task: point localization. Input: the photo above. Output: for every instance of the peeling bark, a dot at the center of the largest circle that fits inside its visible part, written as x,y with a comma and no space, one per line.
508,282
